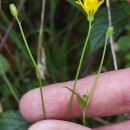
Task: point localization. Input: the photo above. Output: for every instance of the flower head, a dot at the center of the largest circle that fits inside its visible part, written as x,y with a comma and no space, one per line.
90,7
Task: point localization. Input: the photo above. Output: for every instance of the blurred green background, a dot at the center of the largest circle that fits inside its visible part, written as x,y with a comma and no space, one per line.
64,33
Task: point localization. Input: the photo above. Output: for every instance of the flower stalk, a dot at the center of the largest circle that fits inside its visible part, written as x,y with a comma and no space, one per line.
14,12
108,33
90,7
78,70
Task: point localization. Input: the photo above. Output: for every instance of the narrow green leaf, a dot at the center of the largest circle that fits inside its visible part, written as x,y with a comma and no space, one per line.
71,90
81,101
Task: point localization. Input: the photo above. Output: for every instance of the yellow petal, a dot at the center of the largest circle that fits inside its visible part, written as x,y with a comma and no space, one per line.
97,5
90,6
78,2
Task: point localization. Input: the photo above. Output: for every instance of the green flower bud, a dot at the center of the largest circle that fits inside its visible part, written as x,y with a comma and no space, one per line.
13,10
85,96
109,31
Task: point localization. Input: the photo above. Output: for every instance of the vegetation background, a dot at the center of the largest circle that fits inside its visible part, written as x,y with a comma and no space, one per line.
65,29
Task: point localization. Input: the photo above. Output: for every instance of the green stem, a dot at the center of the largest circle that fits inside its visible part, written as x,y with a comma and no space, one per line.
84,117
78,71
34,63
99,71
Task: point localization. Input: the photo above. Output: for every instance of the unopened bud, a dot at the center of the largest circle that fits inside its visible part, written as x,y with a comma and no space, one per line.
13,10
109,31
85,96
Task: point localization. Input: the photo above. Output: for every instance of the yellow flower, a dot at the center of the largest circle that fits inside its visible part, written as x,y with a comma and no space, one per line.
90,7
